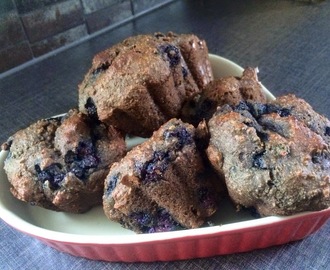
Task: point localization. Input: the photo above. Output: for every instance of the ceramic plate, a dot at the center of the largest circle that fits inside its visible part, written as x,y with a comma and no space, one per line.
93,236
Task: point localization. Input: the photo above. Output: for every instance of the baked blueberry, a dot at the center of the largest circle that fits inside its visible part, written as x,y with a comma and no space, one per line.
53,173
164,222
154,169
112,183
181,134
172,54
259,161
327,131
158,220
184,72
91,108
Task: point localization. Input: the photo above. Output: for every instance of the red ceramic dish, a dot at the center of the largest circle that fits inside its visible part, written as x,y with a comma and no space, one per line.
206,242
92,235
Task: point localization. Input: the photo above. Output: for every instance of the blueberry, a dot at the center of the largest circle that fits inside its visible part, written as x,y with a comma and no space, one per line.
271,108
100,69
41,174
112,182
82,159
270,183
144,219
184,72
161,221
172,53
283,112
258,161
164,222
53,173
317,158
327,131
97,72
78,170
154,169
259,109
86,152
91,108
70,157
321,158
242,106
89,161
85,148
181,133
77,162
262,135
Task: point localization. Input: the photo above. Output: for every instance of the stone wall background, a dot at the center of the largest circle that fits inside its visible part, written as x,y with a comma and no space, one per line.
32,28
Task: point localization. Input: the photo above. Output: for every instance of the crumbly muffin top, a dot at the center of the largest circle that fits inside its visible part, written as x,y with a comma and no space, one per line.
169,171
59,163
140,83
269,158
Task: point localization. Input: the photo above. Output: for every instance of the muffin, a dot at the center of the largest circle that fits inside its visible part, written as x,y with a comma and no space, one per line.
61,163
162,184
273,156
142,82
227,90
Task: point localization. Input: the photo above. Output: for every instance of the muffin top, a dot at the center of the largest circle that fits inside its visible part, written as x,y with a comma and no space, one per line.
270,159
60,163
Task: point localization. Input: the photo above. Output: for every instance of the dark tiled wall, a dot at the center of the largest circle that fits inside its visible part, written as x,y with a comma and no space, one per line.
31,28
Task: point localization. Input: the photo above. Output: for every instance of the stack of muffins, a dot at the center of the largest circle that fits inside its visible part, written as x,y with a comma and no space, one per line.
206,139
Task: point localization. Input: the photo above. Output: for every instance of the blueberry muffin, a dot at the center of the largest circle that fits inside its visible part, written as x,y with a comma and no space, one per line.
61,163
142,82
162,184
273,156
227,90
